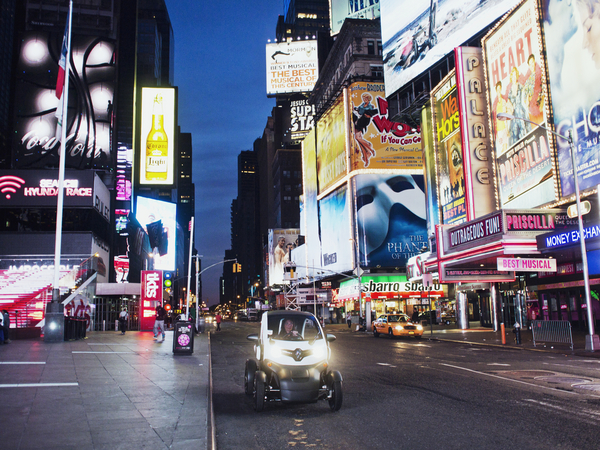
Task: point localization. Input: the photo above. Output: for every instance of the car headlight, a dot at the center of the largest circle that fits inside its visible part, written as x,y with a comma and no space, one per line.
399,327
320,352
420,327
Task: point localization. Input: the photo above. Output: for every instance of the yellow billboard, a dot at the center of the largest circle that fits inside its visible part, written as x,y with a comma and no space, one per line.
157,136
332,164
375,141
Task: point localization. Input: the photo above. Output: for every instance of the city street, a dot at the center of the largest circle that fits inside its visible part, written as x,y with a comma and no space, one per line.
404,393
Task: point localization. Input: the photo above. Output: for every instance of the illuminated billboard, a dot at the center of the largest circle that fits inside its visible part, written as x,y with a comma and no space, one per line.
336,243
340,10
332,164
478,155
309,184
298,117
516,84
281,243
91,98
447,142
419,33
150,211
151,297
375,141
157,136
573,72
390,218
292,67
431,192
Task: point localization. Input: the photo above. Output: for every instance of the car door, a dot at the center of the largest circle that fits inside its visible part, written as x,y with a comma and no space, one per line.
382,322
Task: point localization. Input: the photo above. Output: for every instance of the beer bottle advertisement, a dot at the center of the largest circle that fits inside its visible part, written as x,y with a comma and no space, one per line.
157,128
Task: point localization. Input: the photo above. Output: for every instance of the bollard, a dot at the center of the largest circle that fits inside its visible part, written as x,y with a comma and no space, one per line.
502,330
517,331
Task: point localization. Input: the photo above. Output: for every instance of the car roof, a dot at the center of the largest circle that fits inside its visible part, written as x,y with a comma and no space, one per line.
288,313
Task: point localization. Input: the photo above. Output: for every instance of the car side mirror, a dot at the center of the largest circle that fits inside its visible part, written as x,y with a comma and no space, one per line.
252,337
331,337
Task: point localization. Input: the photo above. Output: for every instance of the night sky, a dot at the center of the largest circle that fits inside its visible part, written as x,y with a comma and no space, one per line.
220,74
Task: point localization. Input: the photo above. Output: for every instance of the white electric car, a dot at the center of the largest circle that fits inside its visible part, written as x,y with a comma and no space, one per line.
291,362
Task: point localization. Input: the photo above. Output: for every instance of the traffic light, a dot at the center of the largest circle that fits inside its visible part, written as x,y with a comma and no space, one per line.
167,281
237,267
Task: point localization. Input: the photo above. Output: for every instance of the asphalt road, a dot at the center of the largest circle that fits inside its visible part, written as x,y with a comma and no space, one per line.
409,394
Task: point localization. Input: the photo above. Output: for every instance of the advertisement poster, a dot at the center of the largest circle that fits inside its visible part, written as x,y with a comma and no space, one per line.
152,296
298,118
448,149
573,71
90,112
340,10
310,211
334,216
157,137
391,220
332,163
515,75
150,211
376,142
281,242
292,67
419,33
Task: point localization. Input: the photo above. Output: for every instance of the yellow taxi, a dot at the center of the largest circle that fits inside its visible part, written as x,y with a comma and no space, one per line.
396,325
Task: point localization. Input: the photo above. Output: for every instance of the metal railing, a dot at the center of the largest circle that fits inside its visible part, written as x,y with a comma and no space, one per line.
556,331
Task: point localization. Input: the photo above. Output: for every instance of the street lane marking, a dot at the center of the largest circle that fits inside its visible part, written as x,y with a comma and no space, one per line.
100,352
583,413
508,379
21,385
385,364
498,364
22,362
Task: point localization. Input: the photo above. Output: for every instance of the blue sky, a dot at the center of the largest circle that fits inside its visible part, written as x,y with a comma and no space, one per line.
220,73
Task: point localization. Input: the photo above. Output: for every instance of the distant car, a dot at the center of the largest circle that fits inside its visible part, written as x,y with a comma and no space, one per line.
426,317
448,317
396,325
209,318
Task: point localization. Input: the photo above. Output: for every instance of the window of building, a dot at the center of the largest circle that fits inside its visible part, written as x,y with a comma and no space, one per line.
287,174
379,48
287,198
371,47
377,71
288,188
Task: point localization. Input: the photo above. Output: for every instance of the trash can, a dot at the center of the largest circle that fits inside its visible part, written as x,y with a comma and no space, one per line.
183,338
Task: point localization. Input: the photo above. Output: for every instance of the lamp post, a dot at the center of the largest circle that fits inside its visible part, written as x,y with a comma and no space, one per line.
592,342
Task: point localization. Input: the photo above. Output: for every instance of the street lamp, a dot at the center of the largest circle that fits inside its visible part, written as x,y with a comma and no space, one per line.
592,342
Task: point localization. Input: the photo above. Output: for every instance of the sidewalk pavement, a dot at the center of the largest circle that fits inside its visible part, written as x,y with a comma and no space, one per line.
109,391
478,335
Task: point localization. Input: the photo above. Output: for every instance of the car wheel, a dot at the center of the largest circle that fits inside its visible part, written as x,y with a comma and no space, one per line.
335,402
259,396
390,332
249,377
375,333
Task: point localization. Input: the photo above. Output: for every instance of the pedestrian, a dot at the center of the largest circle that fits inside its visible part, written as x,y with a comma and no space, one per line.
123,318
218,320
159,323
415,316
155,327
349,318
5,325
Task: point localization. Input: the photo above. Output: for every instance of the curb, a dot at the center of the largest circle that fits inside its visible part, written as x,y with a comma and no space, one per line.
212,432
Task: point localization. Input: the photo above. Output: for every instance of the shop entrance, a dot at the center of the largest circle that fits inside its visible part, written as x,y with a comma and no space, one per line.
486,309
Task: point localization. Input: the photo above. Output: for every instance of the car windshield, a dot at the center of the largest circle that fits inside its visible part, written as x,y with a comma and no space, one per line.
398,318
294,328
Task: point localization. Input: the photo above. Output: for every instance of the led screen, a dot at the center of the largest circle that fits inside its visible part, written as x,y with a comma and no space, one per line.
157,137
419,33
281,243
340,10
574,71
390,218
332,163
336,247
149,211
91,91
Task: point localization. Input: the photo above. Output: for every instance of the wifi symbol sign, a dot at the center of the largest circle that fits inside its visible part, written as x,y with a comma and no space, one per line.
9,184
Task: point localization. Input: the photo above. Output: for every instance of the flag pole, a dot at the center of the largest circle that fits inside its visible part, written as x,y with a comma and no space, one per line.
61,167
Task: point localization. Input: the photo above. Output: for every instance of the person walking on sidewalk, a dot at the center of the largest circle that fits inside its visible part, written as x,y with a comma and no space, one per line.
123,318
6,325
218,319
159,323
349,318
